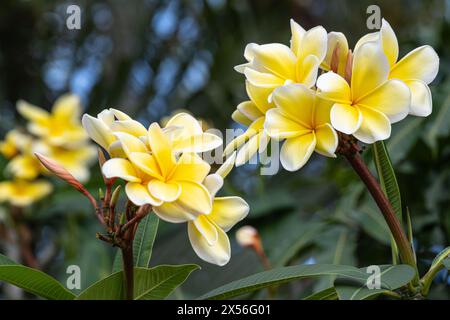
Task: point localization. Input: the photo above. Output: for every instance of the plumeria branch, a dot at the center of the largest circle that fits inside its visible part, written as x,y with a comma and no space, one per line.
119,233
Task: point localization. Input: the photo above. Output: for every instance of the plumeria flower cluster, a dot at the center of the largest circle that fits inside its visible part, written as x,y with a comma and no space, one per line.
162,169
316,89
57,134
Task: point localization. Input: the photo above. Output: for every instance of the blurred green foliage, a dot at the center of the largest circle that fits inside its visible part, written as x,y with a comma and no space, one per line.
151,57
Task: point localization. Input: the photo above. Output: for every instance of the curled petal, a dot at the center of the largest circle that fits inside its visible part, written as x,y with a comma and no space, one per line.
421,101
296,152
98,131
327,140
375,126
218,254
345,118
227,211
278,125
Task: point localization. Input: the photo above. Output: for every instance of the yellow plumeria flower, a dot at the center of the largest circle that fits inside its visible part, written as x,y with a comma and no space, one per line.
183,130
23,193
14,142
303,119
371,103
272,65
417,69
207,233
61,126
172,186
251,114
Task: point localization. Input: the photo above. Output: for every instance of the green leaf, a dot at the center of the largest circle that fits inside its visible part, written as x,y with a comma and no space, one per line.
386,174
279,276
154,283
144,240
4,260
142,244
35,282
325,294
391,278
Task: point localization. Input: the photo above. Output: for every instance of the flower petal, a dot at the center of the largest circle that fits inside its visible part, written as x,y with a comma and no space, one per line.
314,43
227,211
165,191
120,168
239,117
296,152
98,131
32,113
213,183
370,69
421,101
139,195
67,107
218,254
190,167
390,43
296,101
227,166
277,59
279,125
146,163
345,118
249,149
207,229
334,88
184,120
392,98
131,127
130,144
259,96
253,129
307,70
297,37
326,140
161,149
194,197
375,126
173,212
420,64
197,143
263,79
250,110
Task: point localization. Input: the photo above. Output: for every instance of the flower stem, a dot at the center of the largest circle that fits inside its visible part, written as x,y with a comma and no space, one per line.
127,257
405,250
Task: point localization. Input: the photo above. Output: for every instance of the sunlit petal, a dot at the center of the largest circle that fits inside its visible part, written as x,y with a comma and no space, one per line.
345,118
227,211
296,152
375,126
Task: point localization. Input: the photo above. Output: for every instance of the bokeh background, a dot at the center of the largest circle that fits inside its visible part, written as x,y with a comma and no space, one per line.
150,58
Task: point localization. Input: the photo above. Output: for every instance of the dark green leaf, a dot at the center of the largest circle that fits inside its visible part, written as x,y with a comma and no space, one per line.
388,180
391,278
280,276
35,282
325,294
142,244
154,283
